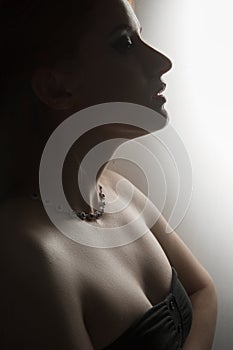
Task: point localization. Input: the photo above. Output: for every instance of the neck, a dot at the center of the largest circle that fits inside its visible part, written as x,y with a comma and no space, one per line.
80,178
81,188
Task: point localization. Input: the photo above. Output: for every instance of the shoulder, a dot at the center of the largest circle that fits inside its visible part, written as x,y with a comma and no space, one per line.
191,272
113,178
41,308
129,189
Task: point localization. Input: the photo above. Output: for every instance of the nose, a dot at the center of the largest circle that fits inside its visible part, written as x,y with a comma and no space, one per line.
155,63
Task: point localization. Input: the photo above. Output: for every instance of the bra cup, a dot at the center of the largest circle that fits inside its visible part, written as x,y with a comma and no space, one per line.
184,306
164,326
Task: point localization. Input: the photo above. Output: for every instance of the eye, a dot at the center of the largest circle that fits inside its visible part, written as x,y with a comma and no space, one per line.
123,44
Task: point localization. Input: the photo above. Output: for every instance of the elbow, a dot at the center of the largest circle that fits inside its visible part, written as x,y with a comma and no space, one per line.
213,295
211,290
206,298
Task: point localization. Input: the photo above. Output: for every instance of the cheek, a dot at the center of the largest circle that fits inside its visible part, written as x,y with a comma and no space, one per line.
123,79
115,79
129,75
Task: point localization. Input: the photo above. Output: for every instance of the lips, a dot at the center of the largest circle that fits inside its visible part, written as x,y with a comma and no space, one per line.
157,98
158,93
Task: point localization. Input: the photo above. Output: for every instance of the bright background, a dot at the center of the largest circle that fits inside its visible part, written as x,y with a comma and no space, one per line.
197,37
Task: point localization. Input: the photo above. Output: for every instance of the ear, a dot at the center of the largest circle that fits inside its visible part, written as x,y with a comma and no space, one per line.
53,89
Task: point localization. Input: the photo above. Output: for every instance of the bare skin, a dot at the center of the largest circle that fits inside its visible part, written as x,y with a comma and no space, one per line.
101,289
86,290
112,65
114,286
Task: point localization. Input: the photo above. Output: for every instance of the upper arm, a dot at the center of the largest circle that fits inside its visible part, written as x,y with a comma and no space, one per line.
191,273
35,313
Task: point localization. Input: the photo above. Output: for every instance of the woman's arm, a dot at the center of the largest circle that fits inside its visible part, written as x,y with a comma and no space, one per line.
196,280
198,284
204,303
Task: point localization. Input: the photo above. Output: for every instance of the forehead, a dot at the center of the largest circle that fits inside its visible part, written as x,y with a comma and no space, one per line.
109,14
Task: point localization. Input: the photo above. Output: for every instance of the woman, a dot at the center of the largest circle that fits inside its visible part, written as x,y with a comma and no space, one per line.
57,59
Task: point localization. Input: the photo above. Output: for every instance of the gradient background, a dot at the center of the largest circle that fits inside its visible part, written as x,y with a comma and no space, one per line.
197,37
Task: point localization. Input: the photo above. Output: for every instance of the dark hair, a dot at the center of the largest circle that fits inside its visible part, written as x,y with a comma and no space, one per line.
34,32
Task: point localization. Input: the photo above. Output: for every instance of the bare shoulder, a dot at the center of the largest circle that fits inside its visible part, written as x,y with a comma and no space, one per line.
112,178
192,273
38,312
139,200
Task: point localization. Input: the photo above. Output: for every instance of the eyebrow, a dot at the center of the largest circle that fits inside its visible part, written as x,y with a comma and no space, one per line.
124,27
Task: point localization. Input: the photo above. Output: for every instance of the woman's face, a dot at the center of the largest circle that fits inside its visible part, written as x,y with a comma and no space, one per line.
114,64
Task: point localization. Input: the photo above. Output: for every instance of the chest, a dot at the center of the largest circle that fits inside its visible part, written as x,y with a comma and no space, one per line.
121,285
118,285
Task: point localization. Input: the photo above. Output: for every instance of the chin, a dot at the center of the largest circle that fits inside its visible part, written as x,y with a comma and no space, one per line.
163,112
134,132
164,121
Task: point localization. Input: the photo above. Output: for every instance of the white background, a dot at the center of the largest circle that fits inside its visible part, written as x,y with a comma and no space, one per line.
197,37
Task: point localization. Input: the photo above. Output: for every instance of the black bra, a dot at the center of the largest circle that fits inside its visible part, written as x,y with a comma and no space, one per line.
164,326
